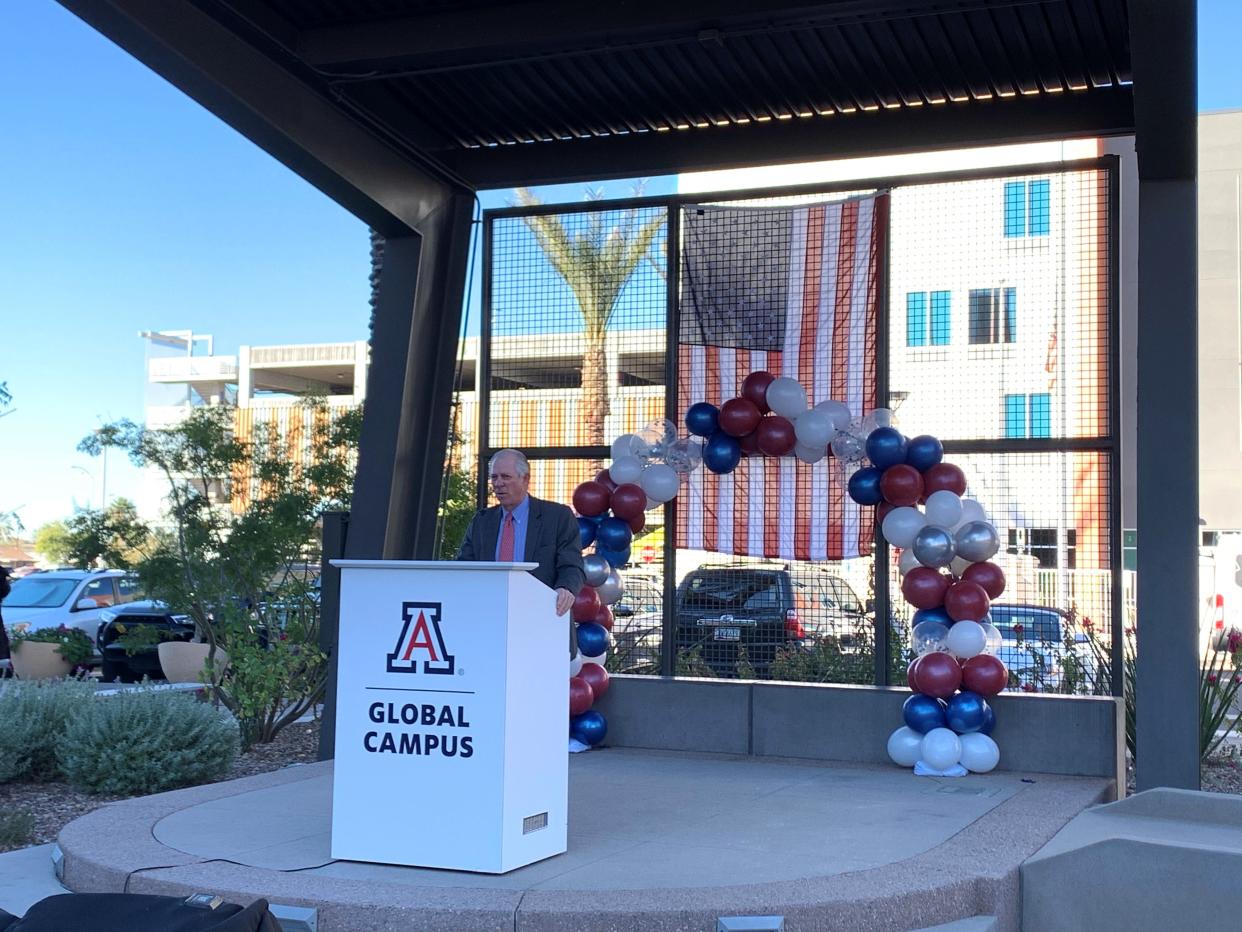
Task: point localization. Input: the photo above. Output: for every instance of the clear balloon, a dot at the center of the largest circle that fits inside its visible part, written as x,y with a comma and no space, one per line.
626,469
902,525
966,639
611,589
992,638
943,508
848,446
941,749
809,454
907,561
596,568
683,456
979,753
904,746
838,412
814,429
929,636
658,436
933,546
659,482
628,445
786,397
879,417
977,541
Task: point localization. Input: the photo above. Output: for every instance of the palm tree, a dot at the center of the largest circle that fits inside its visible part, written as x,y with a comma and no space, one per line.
595,260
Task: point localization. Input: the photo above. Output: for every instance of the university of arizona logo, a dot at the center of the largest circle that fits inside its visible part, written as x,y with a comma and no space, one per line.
420,640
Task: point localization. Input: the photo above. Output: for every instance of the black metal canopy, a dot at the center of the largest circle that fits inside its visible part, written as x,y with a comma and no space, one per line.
484,94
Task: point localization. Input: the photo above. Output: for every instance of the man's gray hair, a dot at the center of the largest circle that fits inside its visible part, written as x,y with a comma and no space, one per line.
523,467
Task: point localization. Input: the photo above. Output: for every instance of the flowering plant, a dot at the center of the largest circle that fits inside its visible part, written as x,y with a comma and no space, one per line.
75,646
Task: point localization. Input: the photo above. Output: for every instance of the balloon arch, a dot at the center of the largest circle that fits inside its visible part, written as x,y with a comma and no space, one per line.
945,541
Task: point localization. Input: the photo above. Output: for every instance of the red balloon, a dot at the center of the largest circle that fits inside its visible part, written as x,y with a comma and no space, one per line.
910,673
628,501
901,485
591,499
944,476
580,695
925,587
749,443
638,522
604,478
755,389
776,435
586,604
938,674
985,675
604,617
596,677
739,417
988,575
966,601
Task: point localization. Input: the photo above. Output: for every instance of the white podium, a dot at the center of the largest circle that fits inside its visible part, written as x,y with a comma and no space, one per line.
452,716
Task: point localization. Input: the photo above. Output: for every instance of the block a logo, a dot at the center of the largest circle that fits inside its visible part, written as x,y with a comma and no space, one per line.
421,640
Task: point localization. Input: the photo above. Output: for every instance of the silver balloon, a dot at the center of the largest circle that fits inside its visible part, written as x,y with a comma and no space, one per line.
933,546
610,589
597,569
977,541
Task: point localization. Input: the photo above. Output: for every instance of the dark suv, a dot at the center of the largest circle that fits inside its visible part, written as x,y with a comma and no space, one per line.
761,608
129,663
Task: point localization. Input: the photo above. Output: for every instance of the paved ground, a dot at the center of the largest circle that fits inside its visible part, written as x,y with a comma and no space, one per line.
26,876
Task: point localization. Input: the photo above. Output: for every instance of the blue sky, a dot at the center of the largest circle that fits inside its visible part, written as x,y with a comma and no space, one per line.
124,207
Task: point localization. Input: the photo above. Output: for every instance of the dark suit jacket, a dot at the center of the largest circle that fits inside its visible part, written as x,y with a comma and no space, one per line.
552,541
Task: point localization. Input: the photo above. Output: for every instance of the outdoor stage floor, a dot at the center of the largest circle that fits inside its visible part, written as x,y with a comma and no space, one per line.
657,840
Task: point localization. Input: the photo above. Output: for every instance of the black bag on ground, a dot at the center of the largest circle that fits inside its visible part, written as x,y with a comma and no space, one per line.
138,912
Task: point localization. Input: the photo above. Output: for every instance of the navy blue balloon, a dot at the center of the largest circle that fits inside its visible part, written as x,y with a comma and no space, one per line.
967,712
721,453
932,614
702,419
614,534
923,713
923,452
590,727
886,447
586,531
989,722
615,558
592,639
864,486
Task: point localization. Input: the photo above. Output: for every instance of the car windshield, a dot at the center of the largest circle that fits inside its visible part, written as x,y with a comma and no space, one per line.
1032,626
733,591
40,592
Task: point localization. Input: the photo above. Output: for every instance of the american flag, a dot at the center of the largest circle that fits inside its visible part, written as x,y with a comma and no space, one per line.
821,308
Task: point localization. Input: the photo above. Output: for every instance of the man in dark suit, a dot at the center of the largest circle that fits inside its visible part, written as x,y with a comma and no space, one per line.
521,528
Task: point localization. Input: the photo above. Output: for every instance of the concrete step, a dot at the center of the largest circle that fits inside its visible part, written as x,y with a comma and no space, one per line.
1162,859
971,924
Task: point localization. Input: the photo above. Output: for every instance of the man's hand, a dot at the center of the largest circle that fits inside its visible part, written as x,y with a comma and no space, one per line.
564,601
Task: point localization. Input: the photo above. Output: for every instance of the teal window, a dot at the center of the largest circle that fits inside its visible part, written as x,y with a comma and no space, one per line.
940,318
1028,416
916,318
1027,208
1015,416
1040,408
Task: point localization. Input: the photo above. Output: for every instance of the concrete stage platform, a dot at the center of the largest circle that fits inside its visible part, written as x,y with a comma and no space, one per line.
657,841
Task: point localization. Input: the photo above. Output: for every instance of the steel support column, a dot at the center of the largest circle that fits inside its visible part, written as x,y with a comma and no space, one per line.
1167,741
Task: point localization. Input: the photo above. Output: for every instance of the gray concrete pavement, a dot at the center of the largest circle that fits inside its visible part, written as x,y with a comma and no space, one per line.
26,876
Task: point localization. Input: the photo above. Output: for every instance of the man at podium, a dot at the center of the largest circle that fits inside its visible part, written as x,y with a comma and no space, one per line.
522,528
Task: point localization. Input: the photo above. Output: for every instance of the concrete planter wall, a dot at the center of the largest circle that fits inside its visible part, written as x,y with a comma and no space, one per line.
183,662
1078,736
36,660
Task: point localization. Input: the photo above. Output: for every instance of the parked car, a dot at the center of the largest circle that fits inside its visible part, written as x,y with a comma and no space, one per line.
1042,649
120,662
74,598
758,608
637,627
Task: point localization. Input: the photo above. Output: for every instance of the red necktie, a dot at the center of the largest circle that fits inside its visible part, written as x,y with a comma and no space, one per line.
506,539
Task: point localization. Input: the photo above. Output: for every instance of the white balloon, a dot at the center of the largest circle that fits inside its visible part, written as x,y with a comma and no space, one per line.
786,397
628,445
575,665
814,430
979,752
943,508
838,412
902,525
907,561
651,503
626,469
598,658
966,639
971,511
659,482
958,566
993,640
904,746
809,454
941,749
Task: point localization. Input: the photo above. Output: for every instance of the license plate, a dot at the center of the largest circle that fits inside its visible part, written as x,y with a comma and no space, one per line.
728,634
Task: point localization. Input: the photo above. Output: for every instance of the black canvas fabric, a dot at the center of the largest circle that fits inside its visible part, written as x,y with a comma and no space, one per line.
136,912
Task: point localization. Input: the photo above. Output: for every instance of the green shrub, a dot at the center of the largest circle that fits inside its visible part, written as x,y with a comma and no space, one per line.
75,646
15,829
33,716
146,742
